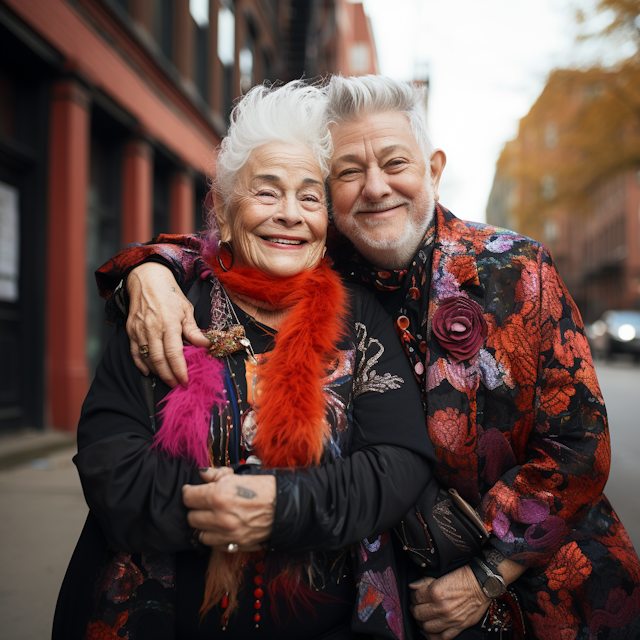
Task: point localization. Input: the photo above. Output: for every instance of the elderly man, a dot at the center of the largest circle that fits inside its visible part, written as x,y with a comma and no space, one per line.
513,407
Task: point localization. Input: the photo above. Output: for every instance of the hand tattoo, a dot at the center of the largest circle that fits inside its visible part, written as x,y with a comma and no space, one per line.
246,493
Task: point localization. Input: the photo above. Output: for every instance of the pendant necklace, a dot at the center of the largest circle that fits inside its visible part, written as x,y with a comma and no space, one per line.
226,336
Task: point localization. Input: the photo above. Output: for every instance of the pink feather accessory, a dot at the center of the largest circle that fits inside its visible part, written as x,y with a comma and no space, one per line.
186,414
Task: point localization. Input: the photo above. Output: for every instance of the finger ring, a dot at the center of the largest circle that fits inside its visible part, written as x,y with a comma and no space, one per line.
144,350
200,534
232,548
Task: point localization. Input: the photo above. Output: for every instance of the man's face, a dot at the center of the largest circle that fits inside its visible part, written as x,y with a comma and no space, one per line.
381,188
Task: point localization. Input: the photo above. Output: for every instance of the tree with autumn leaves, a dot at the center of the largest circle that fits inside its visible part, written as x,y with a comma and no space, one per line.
584,128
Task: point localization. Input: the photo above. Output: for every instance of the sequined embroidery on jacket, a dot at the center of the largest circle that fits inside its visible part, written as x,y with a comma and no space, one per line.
366,377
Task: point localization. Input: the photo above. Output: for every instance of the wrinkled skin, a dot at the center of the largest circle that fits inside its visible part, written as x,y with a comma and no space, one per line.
231,509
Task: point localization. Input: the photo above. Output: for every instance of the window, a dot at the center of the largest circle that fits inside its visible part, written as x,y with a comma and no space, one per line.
200,13
226,53
199,10
8,107
103,232
163,26
226,36
551,136
267,74
245,61
200,204
359,57
551,231
548,185
161,194
9,242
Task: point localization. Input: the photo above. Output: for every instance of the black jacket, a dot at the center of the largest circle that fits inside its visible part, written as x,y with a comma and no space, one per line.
135,496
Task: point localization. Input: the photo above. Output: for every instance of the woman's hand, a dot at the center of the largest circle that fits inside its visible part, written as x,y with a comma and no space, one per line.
446,606
159,315
232,508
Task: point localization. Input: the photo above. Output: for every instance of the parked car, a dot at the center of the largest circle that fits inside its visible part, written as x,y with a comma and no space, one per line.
616,332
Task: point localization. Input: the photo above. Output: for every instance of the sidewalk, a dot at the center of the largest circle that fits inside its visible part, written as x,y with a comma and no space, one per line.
43,511
29,444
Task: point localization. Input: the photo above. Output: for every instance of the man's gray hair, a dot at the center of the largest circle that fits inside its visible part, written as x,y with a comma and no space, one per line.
294,113
352,98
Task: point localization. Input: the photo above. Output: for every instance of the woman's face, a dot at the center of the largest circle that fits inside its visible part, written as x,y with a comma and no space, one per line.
277,221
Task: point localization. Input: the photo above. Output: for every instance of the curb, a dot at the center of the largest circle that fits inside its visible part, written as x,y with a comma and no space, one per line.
23,446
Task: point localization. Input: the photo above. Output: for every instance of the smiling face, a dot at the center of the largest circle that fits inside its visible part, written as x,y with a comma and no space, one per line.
277,221
382,191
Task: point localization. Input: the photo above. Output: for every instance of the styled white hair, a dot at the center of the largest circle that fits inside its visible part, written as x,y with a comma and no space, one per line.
294,113
354,97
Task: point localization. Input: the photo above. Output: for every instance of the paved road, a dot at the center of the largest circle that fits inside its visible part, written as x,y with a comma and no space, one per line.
620,384
43,511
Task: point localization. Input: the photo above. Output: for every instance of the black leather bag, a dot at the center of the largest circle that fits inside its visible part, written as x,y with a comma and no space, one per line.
442,531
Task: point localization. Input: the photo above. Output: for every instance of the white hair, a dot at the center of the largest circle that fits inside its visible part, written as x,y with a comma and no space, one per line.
352,98
294,113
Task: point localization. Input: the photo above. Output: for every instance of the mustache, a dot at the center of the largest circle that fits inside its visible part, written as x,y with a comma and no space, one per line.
377,207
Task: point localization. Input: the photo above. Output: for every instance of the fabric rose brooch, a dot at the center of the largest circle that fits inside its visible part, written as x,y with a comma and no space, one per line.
460,327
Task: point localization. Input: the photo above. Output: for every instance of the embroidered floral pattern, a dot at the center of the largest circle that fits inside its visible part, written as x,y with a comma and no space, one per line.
341,371
366,377
380,588
120,605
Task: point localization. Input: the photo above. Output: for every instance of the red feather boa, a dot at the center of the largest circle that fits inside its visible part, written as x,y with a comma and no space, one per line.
291,414
291,424
292,429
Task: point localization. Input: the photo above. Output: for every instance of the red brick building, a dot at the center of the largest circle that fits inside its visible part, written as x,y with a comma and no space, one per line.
610,247
594,238
354,44
110,114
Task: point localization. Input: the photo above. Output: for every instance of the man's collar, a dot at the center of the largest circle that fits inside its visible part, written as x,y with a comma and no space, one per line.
455,240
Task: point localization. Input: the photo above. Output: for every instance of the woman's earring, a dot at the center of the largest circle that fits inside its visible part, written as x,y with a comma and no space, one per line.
324,252
229,249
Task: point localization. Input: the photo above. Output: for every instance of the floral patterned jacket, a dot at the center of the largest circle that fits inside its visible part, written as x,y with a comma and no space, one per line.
519,428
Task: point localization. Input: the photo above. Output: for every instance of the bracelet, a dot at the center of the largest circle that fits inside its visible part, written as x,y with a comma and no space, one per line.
492,583
493,558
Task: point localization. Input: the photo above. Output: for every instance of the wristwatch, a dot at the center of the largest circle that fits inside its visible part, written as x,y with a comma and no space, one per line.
491,583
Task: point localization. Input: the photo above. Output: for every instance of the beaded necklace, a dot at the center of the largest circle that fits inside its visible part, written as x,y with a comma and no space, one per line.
227,337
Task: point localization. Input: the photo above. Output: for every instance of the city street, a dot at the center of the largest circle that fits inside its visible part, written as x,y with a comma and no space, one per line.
43,511
620,384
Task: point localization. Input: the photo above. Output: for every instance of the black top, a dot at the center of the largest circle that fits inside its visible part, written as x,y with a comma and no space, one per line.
372,472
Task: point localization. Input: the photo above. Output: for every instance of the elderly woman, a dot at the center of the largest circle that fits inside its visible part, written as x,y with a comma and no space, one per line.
304,381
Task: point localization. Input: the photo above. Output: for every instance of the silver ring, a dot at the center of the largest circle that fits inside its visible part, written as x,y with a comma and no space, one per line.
200,534
232,548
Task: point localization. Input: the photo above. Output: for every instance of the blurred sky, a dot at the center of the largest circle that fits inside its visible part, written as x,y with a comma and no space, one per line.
488,61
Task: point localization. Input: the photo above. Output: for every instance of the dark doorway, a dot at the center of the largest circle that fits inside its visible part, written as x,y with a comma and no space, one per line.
11,309
24,106
103,222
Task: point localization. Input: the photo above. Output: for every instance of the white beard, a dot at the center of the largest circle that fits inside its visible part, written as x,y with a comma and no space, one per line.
390,253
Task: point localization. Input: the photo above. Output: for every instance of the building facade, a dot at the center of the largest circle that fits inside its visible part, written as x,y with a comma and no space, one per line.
593,231
609,263
110,114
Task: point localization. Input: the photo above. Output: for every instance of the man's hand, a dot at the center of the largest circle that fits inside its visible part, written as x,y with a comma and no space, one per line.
159,315
446,606
232,509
